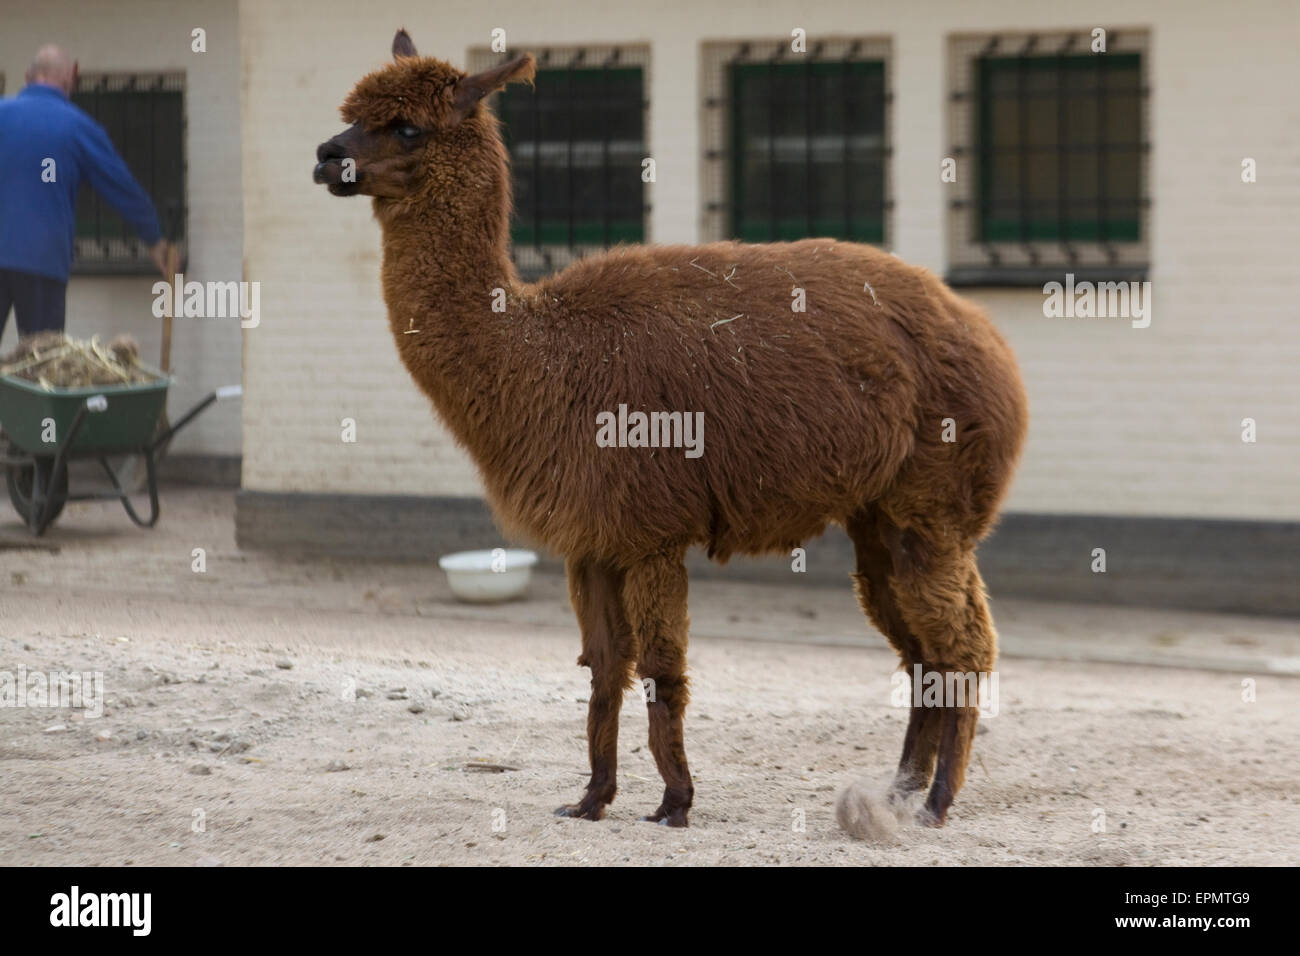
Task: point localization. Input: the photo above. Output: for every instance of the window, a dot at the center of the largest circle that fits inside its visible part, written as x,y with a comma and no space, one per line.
797,143
144,116
1055,160
577,141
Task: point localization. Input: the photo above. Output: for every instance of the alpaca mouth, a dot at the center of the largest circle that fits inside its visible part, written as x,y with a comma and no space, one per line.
330,174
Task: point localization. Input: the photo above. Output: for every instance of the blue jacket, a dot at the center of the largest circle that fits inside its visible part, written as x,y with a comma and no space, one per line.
37,218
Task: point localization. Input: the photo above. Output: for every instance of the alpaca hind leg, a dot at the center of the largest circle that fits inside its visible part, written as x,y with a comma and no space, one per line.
941,597
607,648
654,594
874,541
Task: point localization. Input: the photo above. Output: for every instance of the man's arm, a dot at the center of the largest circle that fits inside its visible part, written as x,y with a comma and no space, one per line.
108,175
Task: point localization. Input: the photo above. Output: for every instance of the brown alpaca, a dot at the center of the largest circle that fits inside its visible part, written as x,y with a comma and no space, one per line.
833,415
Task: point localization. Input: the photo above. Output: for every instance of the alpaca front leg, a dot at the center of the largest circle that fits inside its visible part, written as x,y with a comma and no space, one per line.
947,610
956,735
594,589
667,743
654,596
920,747
875,542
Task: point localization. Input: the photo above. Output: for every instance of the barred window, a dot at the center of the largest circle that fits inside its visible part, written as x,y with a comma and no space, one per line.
144,116
1054,139
797,143
577,141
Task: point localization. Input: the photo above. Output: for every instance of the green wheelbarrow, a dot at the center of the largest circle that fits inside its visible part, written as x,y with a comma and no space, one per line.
47,428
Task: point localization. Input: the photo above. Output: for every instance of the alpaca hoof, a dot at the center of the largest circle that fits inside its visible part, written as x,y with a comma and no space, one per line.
667,818
929,818
581,811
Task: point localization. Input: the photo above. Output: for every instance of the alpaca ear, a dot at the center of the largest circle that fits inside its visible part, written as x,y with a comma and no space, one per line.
470,89
403,45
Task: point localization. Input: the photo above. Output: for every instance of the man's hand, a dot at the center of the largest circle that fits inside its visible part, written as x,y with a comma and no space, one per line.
161,254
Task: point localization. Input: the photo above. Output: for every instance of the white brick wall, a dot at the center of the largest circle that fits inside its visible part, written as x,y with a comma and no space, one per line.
148,35
1124,421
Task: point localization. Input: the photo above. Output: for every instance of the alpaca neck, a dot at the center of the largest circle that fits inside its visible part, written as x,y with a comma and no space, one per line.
441,270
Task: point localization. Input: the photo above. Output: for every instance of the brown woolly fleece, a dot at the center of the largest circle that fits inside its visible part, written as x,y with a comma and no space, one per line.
836,414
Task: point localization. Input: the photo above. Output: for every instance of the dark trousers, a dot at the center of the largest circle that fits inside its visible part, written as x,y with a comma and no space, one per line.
37,301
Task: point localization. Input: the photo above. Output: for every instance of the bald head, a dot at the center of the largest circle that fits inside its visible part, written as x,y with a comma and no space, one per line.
52,65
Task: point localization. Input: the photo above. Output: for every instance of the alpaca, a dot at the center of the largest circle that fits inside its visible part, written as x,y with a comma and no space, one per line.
831,415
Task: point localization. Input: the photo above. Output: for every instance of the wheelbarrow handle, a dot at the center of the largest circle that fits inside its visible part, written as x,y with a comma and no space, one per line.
224,392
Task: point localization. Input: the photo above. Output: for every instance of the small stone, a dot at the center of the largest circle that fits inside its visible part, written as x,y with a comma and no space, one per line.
56,728
103,736
374,839
416,707
200,770
208,861
334,766
284,665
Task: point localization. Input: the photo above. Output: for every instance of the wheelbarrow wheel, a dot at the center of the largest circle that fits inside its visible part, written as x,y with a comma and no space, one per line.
20,479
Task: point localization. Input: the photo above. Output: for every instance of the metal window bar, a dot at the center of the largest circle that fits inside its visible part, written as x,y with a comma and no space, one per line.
774,194
753,82
1062,157
145,117
1102,135
1013,226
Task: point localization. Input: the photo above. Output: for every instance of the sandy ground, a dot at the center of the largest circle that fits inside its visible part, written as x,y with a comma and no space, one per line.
281,711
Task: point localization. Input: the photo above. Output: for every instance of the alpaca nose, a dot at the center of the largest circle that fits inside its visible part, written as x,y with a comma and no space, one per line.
328,155
330,149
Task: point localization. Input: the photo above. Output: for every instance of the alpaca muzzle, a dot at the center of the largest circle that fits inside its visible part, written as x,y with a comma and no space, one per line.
335,168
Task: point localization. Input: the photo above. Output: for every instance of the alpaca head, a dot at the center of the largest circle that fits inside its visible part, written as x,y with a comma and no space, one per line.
418,131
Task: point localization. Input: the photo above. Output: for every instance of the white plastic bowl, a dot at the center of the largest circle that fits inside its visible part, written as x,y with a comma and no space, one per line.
485,577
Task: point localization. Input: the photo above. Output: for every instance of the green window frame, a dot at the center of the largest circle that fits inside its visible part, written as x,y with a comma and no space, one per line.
1060,147
808,148
576,142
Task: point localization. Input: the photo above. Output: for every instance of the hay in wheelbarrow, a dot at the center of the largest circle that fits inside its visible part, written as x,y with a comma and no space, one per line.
52,360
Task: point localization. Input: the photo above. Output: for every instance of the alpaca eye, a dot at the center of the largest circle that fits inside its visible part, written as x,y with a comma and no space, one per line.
409,132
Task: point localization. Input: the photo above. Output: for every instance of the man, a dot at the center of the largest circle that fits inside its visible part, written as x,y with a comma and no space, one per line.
47,148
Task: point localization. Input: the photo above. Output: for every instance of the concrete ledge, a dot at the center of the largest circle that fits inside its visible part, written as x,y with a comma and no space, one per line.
392,527
1189,563
223,471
